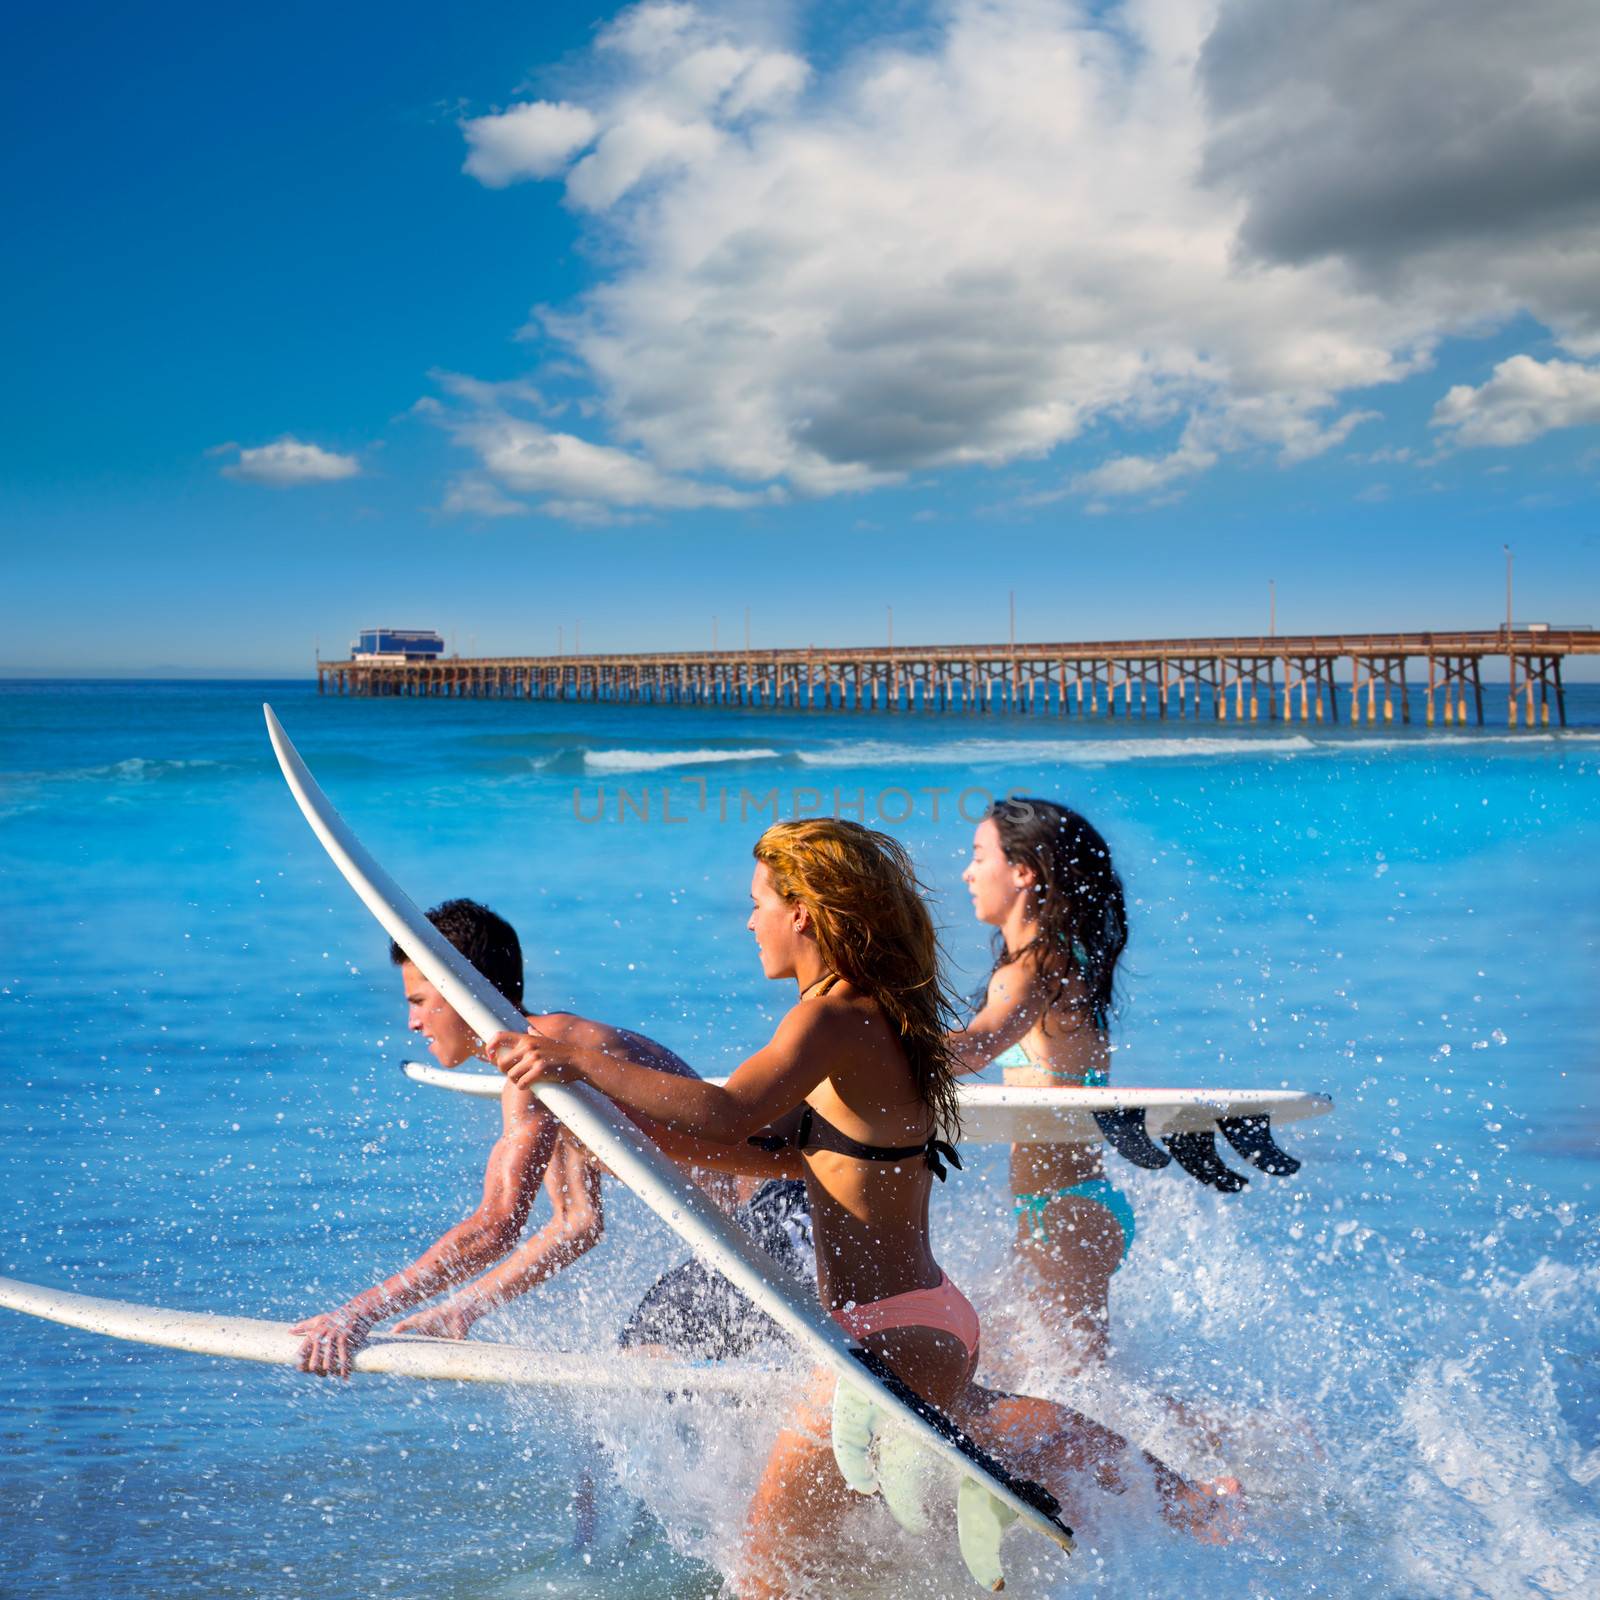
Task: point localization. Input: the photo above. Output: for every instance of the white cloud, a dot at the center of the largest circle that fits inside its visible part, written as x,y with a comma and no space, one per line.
1125,475
529,141
472,495
683,81
287,463
532,459
590,513
1275,422
1301,437
580,480
1523,399
964,246
646,143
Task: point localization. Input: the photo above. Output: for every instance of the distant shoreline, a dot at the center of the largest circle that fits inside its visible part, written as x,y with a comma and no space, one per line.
208,675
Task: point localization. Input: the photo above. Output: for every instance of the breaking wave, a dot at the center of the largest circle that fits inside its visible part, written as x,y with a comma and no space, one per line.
655,760
1074,752
133,769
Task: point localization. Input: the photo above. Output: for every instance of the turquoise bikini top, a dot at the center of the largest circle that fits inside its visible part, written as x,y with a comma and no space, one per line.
1016,1056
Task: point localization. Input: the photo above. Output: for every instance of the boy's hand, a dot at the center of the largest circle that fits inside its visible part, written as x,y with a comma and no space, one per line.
332,1340
448,1321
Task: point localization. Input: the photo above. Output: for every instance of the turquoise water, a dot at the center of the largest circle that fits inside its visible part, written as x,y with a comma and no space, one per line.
200,1107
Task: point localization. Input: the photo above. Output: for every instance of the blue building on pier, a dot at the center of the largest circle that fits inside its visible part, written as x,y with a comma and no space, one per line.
396,644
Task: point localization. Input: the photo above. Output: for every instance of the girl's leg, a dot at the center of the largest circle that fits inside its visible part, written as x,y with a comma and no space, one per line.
798,1505
1072,1245
1064,1450
791,1533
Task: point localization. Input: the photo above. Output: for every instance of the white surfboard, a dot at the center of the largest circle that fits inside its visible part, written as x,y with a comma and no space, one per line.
1186,1121
616,1142
993,1113
403,1355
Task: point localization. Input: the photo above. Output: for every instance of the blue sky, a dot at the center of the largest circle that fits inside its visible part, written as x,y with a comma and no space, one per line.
808,310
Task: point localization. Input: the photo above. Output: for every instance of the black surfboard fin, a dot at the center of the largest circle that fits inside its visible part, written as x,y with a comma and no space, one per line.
1252,1138
1124,1130
1197,1154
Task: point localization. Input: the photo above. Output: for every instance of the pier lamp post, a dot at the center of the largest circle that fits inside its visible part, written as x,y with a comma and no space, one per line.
1511,659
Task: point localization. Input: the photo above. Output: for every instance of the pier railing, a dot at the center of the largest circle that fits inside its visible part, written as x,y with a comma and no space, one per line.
1244,679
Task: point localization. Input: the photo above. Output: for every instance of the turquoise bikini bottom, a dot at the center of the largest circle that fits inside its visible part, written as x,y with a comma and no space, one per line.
1100,1190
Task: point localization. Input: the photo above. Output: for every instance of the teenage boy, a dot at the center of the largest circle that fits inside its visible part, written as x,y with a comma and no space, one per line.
484,1259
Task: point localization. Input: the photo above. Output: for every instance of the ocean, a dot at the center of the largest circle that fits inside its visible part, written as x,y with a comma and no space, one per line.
200,1107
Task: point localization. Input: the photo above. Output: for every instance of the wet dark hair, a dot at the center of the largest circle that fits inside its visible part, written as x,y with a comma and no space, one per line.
1079,905
488,941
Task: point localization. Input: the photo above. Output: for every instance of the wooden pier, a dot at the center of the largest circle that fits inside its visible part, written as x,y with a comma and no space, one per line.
1228,679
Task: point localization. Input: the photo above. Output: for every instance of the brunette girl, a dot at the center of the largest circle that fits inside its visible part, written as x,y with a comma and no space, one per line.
1043,878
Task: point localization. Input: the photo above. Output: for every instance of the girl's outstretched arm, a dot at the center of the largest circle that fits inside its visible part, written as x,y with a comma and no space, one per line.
773,1081
1010,1009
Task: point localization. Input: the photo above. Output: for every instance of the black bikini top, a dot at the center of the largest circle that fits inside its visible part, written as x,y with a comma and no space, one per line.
815,1132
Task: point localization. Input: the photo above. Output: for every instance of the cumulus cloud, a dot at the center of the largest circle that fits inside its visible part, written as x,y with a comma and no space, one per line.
1038,218
1274,422
287,463
528,141
1523,399
533,459
1446,147
578,479
473,495
682,83
1125,475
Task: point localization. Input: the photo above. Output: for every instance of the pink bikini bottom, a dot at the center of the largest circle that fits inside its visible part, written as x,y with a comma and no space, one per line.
943,1307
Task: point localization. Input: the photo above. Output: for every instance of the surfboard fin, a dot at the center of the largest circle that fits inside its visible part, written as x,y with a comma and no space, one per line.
853,1419
1197,1154
1252,1138
981,1523
1025,1489
1125,1132
875,1456
905,1477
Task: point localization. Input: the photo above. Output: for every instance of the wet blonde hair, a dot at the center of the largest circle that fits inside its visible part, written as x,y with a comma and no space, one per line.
872,928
